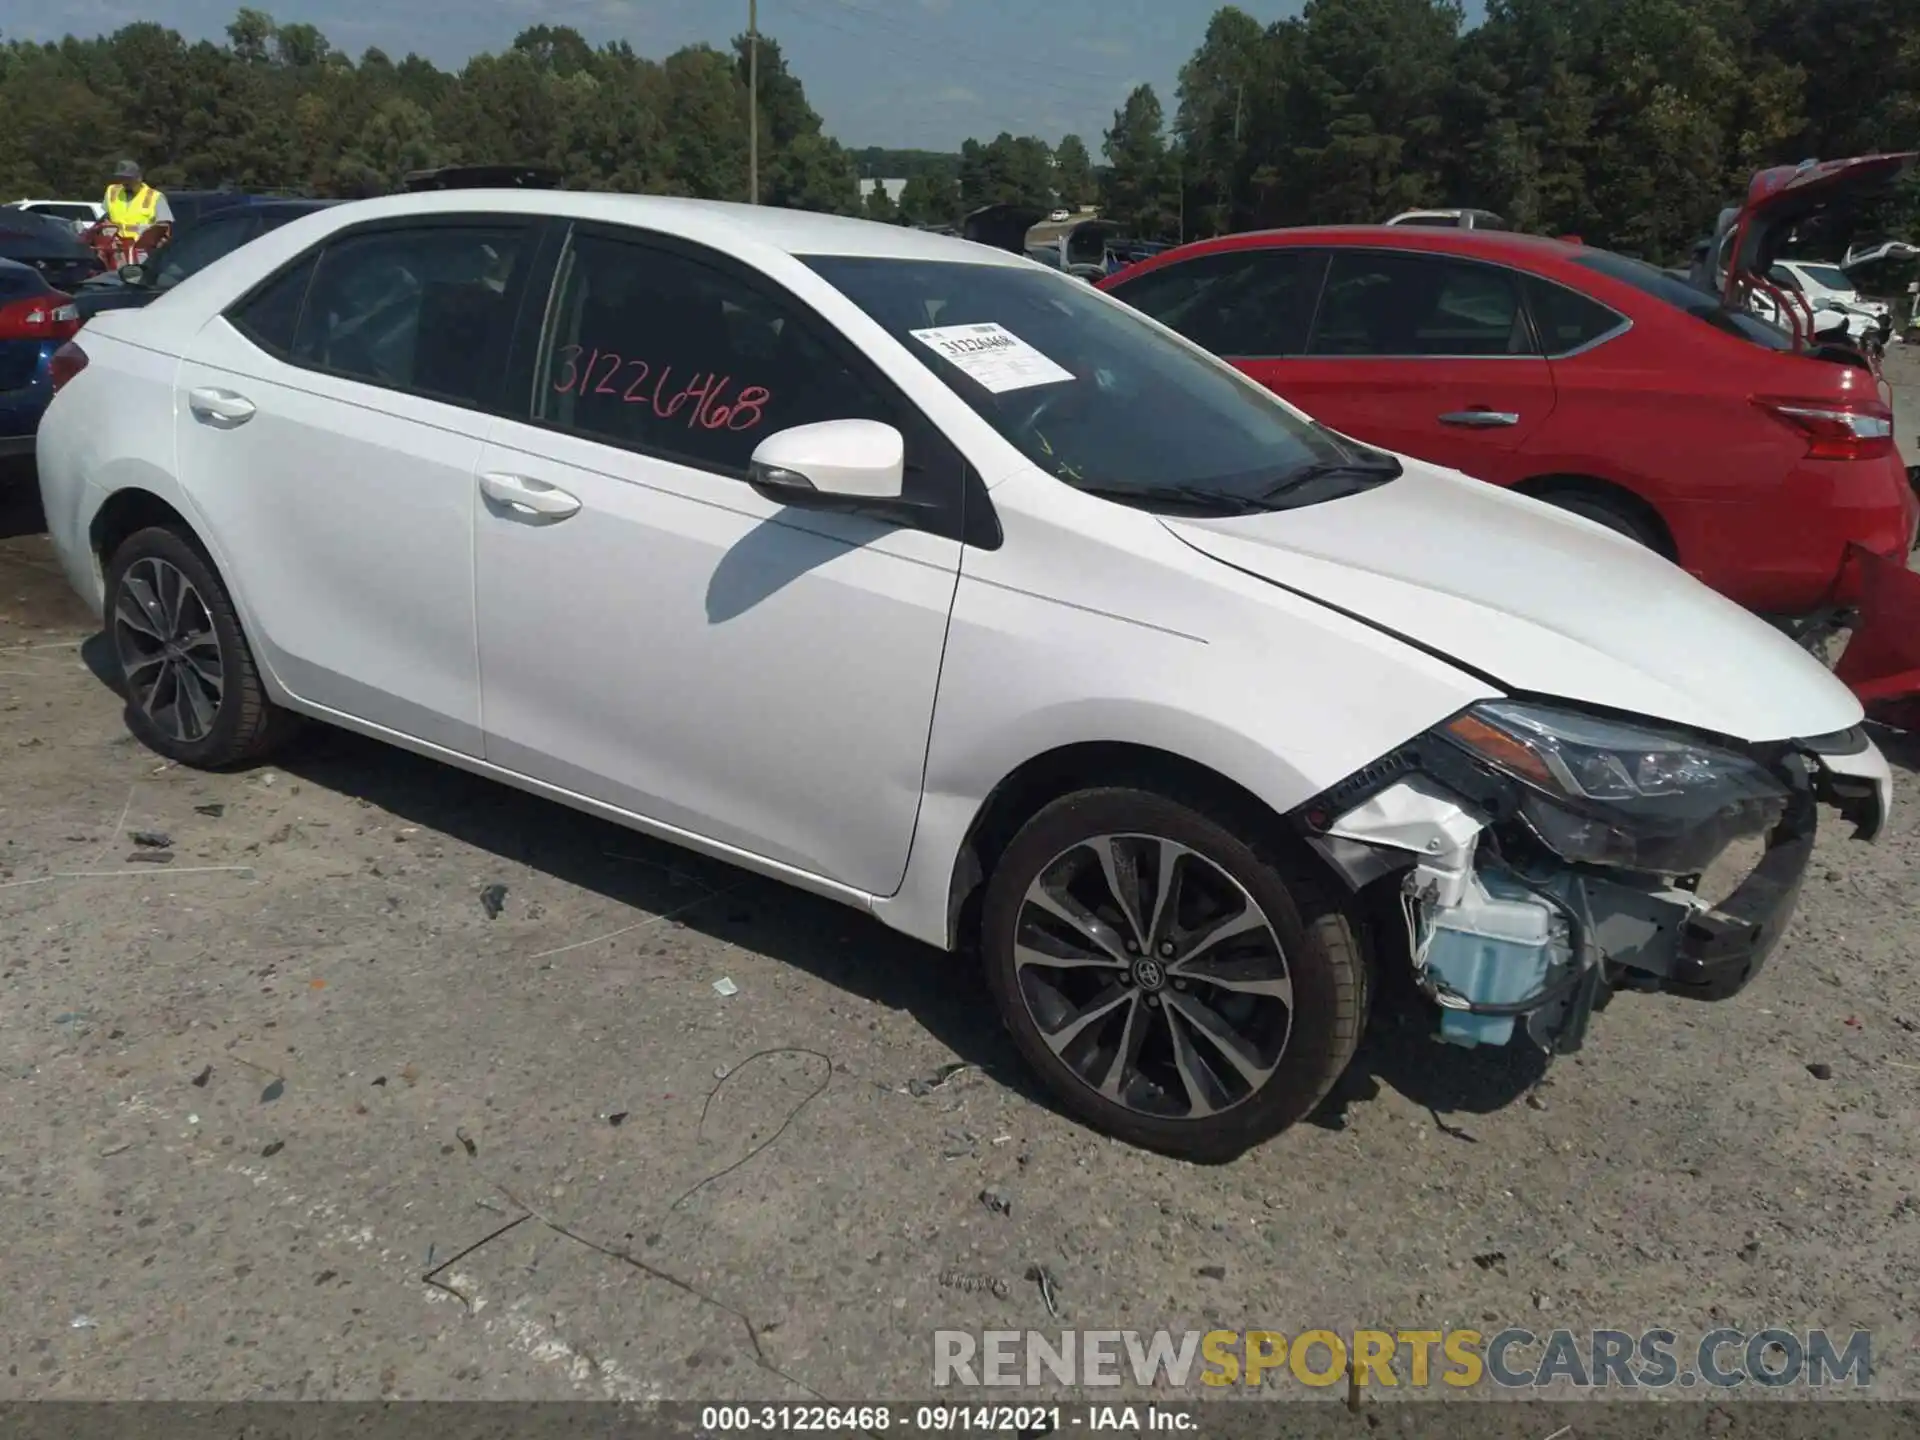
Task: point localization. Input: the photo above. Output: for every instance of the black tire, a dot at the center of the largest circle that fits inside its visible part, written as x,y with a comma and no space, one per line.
245,725
1602,511
1317,937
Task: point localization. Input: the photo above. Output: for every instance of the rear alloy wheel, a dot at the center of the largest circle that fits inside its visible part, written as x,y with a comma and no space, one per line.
1159,974
193,693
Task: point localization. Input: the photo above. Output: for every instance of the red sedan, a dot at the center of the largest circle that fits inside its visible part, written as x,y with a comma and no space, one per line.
1584,378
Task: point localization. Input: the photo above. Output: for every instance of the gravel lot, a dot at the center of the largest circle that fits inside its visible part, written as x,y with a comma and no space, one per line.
250,1098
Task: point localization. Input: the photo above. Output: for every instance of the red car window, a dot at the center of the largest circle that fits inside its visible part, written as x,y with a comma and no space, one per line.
1566,320
1252,303
1393,303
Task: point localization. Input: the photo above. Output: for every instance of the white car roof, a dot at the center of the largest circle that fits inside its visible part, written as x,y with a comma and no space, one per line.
724,225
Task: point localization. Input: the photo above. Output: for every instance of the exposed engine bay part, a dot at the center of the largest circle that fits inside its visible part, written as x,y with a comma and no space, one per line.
1515,920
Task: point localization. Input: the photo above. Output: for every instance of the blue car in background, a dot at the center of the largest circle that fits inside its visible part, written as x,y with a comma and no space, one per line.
35,321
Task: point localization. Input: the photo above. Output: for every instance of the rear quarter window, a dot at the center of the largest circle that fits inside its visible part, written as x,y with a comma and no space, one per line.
1686,297
1567,321
270,315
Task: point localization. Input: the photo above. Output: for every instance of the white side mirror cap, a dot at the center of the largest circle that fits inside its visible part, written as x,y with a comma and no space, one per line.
850,459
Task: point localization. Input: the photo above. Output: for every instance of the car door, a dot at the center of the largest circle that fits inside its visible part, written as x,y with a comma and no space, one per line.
658,636
328,428
1428,354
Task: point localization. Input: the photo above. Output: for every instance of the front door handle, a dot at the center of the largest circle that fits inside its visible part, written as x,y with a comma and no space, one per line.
219,407
1480,419
529,497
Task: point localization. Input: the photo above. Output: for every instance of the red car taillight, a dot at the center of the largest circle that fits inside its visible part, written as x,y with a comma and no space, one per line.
65,363
1835,432
52,316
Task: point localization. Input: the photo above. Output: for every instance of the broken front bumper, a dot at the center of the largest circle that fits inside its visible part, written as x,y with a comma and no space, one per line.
1720,948
1621,931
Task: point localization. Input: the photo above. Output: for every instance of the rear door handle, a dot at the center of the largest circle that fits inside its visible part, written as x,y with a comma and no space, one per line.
529,497
219,407
1480,419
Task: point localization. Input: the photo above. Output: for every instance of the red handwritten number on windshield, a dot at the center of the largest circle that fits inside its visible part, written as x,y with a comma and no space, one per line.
572,353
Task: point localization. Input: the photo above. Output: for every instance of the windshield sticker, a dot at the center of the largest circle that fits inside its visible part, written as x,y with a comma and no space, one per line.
992,355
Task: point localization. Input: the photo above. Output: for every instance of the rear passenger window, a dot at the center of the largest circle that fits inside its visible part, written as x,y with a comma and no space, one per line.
423,310
1242,303
269,316
1396,304
1567,320
651,349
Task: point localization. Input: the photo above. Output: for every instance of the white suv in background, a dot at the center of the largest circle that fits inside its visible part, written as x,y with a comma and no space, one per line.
78,213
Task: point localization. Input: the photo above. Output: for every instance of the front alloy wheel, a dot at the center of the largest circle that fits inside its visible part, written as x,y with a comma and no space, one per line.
1173,984
1154,976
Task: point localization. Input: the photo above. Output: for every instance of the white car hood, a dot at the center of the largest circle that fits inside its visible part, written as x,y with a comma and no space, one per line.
1537,600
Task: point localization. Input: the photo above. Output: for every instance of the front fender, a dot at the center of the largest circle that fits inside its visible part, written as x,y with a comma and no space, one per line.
1283,699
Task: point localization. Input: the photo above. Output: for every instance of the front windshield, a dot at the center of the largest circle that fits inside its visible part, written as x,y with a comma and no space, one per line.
1828,277
1684,295
1097,396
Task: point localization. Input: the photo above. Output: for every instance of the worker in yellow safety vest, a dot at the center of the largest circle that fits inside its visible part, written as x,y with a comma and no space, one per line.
131,203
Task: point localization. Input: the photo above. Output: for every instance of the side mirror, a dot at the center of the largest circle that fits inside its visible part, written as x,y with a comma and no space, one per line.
133,274
847,460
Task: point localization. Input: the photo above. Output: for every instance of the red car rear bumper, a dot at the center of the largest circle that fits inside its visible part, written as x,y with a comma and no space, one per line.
1881,663
1796,558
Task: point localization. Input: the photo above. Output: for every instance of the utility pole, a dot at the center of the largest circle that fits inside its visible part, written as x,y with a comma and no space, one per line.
753,102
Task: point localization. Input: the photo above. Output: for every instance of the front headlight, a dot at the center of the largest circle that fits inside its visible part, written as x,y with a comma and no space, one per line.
1606,792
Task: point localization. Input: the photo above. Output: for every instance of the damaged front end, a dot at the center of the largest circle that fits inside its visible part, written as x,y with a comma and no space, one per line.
1544,857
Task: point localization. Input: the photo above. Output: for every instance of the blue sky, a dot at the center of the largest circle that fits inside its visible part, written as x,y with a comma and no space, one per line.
882,72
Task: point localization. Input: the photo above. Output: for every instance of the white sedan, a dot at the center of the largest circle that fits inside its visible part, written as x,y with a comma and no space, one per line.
924,578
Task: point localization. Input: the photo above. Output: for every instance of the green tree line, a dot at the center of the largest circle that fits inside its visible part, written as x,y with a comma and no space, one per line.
1627,122
278,106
